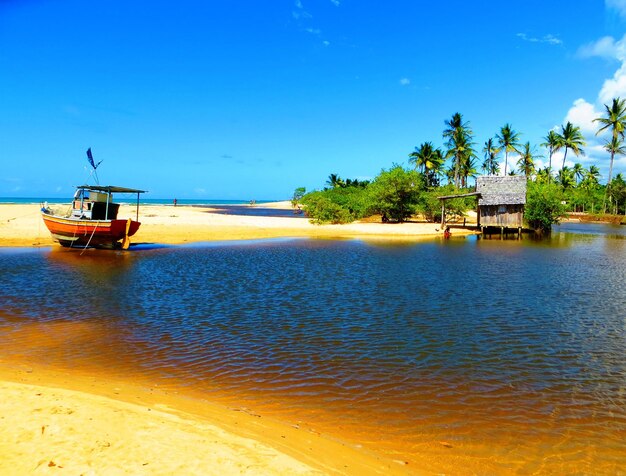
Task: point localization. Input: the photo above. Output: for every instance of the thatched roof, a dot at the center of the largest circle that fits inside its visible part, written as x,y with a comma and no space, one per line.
496,190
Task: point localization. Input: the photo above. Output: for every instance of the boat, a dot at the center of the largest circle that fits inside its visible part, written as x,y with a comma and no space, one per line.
92,219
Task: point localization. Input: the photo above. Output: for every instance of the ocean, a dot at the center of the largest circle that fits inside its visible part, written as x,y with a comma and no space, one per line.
468,355
132,200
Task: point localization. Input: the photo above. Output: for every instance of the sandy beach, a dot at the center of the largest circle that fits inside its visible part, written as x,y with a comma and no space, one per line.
55,420
21,225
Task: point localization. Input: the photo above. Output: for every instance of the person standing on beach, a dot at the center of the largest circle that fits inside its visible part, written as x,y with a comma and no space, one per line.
175,202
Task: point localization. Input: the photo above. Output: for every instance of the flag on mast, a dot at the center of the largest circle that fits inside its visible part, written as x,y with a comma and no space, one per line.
90,159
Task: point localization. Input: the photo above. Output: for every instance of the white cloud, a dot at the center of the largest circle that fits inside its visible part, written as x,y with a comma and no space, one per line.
618,5
300,12
549,39
335,2
405,81
582,114
614,87
606,47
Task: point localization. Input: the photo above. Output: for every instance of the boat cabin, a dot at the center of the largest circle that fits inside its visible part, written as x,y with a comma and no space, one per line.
95,202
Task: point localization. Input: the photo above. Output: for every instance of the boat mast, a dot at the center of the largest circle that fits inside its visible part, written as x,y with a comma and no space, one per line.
106,209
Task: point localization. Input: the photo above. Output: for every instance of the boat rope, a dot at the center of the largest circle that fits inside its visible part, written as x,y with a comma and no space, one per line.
23,216
89,241
73,237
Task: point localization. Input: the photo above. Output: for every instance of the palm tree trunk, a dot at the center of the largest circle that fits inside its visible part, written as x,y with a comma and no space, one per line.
564,157
606,191
550,166
506,159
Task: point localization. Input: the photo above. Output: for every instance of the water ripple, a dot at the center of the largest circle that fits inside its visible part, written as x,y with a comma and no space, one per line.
518,346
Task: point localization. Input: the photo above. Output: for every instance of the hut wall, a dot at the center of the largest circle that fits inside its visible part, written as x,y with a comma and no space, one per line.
510,216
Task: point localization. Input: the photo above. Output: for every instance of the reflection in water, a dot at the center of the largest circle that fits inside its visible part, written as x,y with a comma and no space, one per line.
509,352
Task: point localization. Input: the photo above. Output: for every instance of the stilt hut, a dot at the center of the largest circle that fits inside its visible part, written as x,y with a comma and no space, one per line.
501,201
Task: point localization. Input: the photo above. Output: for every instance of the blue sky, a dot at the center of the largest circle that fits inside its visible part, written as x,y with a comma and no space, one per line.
249,100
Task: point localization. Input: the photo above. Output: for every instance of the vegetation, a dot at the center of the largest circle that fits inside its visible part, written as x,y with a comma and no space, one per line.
615,120
395,193
399,194
298,193
509,142
459,141
544,205
571,139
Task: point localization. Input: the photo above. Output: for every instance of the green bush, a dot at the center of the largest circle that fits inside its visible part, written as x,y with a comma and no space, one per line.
395,193
321,209
544,205
430,206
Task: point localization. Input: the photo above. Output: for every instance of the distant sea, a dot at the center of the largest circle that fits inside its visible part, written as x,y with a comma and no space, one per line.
143,201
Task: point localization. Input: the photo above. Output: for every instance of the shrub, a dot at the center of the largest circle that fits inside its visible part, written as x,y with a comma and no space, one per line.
321,209
544,205
395,193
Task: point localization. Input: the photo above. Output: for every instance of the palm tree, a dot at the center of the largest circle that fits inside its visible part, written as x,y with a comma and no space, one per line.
552,141
615,147
566,177
428,159
335,181
467,169
459,135
616,192
579,172
526,162
490,165
593,174
508,140
571,138
543,175
435,168
615,119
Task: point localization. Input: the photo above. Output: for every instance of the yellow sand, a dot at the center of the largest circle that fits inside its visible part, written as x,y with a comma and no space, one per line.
21,225
55,422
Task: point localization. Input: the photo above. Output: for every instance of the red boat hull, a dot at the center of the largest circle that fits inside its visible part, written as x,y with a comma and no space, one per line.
95,233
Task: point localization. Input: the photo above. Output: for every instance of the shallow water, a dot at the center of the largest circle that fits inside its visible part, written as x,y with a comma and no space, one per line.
458,356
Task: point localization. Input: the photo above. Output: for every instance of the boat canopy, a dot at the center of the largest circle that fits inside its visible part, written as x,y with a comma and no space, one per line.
110,189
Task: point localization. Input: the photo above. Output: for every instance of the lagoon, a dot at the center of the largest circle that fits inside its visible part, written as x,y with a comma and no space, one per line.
462,355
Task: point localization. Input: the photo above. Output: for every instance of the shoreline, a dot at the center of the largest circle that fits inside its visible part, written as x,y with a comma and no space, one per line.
22,226
89,424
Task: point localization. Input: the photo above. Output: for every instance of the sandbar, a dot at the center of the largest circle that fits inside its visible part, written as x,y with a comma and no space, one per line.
21,226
